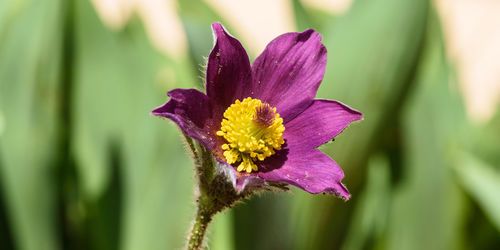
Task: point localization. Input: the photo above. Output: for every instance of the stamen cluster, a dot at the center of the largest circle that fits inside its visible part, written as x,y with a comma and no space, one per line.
253,131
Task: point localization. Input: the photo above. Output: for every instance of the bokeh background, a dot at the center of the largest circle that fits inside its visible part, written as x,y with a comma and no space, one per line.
83,165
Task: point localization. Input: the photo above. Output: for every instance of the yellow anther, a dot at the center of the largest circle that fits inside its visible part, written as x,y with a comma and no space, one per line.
253,131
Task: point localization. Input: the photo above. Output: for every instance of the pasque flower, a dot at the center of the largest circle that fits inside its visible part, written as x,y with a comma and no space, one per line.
261,121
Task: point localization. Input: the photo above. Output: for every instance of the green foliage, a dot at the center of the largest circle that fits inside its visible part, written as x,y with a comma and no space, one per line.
30,65
116,85
478,179
430,121
84,166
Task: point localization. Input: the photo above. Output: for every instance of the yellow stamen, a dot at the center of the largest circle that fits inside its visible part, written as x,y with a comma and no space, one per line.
253,131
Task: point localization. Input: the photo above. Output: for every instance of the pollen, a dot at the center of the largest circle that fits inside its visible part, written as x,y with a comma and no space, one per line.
253,131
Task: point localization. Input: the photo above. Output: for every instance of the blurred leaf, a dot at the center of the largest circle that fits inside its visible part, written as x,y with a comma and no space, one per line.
484,140
307,18
222,233
482,182
264,222
428,208
117,85
373,53
6,237
30,53
9,12
371,213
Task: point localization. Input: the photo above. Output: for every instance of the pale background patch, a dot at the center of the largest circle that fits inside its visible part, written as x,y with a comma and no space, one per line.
471,28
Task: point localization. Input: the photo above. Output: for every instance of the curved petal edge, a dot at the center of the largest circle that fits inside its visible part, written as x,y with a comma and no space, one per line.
190,110
312,171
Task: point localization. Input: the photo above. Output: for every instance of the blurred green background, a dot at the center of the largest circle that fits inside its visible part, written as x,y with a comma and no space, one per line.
83,165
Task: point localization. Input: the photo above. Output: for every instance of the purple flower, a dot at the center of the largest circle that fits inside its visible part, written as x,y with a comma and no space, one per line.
261,122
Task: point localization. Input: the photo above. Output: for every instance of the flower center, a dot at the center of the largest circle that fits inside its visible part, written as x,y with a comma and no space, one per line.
253,131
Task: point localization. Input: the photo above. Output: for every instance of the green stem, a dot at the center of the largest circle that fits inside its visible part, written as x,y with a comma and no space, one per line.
203,217
205,211
215,192
192,149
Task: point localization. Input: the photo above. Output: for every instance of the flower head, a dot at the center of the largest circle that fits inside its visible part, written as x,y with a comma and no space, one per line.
261,122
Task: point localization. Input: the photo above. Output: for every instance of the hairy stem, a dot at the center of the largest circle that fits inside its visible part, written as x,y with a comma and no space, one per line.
205,211
203,217
214,192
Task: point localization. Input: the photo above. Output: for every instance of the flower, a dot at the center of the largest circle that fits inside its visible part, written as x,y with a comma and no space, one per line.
261,122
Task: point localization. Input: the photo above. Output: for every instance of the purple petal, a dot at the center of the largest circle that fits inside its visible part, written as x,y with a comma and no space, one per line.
228,70
311,170
288,73
319,123
190,110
